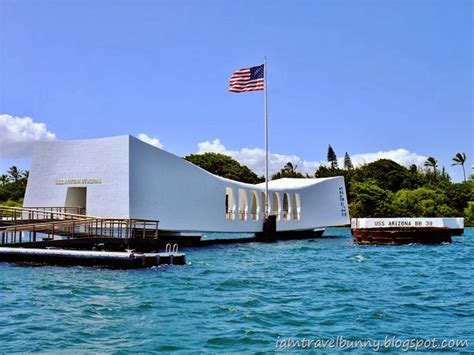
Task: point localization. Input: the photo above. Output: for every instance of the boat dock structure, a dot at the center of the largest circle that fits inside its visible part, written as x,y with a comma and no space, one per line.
43,227
398,231
62,236
53,227
56,236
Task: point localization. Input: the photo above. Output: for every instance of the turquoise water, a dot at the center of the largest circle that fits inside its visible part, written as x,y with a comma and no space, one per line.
245,298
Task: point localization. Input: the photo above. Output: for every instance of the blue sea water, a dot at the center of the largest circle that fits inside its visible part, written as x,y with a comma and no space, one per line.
245,298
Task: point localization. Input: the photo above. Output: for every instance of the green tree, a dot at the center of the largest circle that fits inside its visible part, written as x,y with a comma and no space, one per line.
431,163
4,179
444,175
469,214
414,177
422,202
12,203
288,171
15,173
289,168
348,162
431,176
387,174
332,158
13,185
225,166
460,159
458,195
369,200
324,171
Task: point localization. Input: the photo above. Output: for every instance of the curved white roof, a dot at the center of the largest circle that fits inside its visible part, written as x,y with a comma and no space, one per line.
290,183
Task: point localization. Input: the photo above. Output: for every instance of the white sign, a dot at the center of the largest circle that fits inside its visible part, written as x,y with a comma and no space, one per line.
366,223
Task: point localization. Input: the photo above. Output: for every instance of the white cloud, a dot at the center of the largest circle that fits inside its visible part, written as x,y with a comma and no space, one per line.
254,158
18,134
401,156
211,147
153,141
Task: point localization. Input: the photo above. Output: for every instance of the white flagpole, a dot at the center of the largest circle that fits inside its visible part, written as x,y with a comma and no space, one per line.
267,202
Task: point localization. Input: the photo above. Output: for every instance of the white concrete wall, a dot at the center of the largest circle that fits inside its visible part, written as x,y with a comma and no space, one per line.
321,204
186,198
142,181
105,159
177,193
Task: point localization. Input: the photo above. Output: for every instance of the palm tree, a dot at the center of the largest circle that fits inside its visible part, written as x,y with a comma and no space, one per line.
4,179
15,173
431,162
288,171
289,168
460,159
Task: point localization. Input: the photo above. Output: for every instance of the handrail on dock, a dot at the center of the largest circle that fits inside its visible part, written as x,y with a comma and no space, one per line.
21,229
59,209
39,213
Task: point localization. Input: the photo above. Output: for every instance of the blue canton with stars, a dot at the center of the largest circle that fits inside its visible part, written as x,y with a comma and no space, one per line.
256,72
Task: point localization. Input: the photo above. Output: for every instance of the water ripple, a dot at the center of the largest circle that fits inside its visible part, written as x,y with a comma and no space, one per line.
241,298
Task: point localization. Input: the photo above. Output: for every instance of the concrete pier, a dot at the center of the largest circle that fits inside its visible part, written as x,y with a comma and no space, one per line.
398,231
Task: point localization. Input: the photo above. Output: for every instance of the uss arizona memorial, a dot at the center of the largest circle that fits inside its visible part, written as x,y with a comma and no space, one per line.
125,177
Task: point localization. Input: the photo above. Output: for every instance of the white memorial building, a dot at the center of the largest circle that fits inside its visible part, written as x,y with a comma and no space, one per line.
127,178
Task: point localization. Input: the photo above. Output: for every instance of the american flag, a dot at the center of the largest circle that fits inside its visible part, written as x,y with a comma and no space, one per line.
247,79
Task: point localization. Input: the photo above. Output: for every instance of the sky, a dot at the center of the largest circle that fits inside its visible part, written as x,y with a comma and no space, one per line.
373,78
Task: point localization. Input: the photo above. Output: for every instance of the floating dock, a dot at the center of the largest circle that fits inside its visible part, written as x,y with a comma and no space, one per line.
399,231
106,259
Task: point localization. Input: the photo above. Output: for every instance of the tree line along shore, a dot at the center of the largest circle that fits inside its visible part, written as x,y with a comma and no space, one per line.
382,188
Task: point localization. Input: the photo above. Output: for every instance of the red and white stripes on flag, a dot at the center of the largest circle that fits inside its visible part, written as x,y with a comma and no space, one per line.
247,79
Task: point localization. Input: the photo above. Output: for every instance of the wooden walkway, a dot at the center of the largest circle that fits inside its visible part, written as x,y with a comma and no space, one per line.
29,226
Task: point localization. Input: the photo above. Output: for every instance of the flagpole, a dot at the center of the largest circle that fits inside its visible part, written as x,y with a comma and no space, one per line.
267,204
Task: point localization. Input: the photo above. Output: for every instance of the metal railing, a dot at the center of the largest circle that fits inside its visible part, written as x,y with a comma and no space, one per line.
87,228
20,214
28,225
60,209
